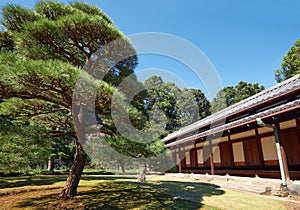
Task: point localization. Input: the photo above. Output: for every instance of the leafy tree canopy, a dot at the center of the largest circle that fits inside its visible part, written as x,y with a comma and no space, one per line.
179,107
233,94
195,106
290,65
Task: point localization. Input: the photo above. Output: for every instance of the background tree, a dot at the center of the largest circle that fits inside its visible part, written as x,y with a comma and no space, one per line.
117,152
231,95
61,153
161,102
180,107
195,106
290,65
167,108
53,43
21,146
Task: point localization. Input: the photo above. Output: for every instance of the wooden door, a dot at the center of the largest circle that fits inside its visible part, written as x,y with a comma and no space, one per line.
291,145
206,156
193,158
226,155
253,152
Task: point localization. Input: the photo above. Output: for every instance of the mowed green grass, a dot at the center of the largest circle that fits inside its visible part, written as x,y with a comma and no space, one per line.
124,192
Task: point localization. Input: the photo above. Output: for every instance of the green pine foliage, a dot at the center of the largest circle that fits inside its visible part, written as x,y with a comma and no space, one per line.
6,42
51,45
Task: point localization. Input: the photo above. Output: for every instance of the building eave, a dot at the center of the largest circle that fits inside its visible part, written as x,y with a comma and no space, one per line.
280,90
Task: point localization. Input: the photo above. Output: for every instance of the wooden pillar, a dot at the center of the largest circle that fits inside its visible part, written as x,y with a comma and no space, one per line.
179,162
285,164
259,148
174,156
211,157
283,154
298,126
196,154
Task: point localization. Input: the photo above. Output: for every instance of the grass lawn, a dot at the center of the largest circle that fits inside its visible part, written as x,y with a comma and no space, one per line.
123,192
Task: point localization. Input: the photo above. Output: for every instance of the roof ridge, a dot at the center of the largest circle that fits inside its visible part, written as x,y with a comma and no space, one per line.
268,90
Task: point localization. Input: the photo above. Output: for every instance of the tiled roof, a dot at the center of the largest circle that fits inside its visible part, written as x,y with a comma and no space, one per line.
245,120
281,89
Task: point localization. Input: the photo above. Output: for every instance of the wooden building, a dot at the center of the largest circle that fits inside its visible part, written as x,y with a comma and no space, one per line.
231,142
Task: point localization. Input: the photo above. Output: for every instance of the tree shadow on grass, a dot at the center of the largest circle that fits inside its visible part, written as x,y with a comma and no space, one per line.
11,182
22,181
107,177
153,195
131,195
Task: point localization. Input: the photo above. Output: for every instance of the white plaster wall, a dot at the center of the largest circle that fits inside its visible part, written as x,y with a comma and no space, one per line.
187,158
269,148
200,156
238,152
217,157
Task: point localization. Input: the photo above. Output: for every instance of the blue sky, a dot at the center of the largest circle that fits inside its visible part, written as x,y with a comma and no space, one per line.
245,40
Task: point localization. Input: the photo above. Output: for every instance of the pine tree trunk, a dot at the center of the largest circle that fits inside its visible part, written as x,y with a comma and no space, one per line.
123,169
122,165
50,164
70,189
142,176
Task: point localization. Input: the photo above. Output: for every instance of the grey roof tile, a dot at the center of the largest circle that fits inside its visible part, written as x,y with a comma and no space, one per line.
245,120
